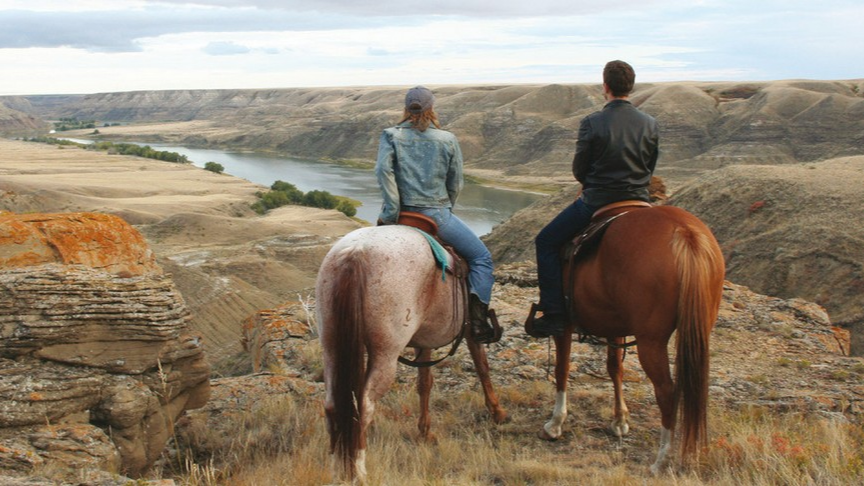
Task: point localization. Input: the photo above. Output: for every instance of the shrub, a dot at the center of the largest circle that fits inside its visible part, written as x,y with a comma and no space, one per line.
346,208
214,167
320,199
275,199
283,193
294,195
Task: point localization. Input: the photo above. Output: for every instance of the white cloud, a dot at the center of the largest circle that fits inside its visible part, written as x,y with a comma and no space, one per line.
225,49
49,46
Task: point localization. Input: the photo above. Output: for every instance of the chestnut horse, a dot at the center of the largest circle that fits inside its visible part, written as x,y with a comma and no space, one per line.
656,270
380,290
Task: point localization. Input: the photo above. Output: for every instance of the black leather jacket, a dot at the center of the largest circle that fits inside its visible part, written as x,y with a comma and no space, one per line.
616,154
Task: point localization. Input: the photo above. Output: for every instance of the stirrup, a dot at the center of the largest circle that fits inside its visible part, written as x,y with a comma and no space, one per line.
531,319
497,332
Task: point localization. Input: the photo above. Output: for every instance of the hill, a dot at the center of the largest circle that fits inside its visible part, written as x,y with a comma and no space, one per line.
517,133
18,123
714,135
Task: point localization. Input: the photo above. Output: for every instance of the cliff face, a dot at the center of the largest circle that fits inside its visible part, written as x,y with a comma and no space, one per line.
94,345
16,119
521,130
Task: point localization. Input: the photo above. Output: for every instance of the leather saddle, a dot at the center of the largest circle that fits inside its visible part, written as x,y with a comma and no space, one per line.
589,240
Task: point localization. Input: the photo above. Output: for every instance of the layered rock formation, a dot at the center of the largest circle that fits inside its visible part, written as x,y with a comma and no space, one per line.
95,362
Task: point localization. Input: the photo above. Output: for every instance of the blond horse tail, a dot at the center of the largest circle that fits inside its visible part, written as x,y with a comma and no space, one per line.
700,291
349,378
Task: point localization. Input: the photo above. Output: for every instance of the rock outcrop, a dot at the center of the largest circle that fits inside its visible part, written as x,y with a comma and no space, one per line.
95,362
273,337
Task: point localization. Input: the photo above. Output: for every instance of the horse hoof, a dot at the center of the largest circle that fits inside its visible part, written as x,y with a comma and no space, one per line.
620,430
546,435
500,416
659,469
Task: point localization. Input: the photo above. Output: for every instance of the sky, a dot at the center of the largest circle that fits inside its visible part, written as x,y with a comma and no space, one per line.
96,46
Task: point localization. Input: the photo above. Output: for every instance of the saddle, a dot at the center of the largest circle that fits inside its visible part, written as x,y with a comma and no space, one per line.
588,241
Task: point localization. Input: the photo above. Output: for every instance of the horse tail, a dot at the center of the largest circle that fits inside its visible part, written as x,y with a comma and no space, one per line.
349,374
700,273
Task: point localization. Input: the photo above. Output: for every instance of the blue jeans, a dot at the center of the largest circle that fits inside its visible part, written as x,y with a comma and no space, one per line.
456,233
570,222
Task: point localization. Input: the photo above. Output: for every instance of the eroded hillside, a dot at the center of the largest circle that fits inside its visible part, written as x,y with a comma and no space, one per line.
516,133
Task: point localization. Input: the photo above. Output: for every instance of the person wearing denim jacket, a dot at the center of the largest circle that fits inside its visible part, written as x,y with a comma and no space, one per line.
419,169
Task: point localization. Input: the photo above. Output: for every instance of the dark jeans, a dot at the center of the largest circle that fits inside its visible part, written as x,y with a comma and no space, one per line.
570,222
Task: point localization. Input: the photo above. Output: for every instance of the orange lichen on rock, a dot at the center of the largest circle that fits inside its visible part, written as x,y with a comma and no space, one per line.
94,240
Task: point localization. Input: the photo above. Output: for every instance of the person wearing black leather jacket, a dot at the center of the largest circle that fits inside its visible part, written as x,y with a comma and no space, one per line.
616,153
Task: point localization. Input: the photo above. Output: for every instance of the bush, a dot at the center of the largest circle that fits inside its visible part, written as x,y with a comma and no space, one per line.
346,208
294,195
320,199
214,167
275,199
283,193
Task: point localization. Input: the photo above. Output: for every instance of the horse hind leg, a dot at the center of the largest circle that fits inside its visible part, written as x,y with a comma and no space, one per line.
425,381
615,366
381,372
654,358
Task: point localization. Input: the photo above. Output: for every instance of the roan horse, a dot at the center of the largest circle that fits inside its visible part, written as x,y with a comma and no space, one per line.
656,270
380,290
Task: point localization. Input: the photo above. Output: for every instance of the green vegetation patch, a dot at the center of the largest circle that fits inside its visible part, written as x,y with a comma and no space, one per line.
73,124
283,193
118,148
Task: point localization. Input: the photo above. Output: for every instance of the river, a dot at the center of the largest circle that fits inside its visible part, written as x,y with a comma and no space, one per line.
481,207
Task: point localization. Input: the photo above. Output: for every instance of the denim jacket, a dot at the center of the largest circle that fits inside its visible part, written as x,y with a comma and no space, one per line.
415,168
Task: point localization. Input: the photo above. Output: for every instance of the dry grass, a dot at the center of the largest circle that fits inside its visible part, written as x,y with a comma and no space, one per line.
283,442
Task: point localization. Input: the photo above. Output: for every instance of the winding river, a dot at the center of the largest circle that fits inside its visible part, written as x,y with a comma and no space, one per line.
479,206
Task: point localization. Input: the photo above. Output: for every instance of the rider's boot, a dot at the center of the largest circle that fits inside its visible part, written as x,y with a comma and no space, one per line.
481,330
549,325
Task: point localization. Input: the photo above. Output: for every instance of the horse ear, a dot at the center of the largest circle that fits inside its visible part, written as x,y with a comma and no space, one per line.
657,190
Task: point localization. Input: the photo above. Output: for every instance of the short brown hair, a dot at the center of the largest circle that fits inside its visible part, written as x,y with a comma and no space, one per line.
620,77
